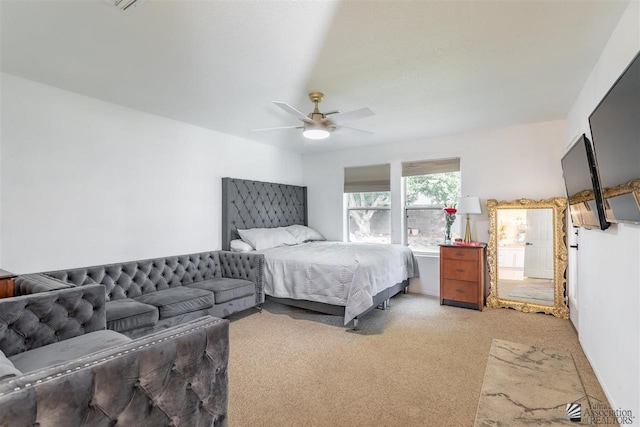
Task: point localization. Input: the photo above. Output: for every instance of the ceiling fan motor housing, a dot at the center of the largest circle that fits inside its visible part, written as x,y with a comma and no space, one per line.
316,117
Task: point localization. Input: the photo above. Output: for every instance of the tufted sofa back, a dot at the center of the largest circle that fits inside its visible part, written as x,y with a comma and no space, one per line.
135,278
176,377
33,321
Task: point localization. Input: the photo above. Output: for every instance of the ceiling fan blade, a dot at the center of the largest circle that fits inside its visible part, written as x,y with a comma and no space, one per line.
343,130
349,116
276,128
297,114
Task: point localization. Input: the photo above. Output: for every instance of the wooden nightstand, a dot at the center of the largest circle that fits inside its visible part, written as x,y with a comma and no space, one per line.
462,276
7,286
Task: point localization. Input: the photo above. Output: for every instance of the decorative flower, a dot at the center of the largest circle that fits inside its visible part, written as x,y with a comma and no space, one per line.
450,211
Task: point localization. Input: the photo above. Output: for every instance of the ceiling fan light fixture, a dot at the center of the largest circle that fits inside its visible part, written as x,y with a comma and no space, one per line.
315,132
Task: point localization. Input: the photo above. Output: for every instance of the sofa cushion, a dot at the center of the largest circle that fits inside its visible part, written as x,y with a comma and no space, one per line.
127,314
7,370
66,350
179,300
226,289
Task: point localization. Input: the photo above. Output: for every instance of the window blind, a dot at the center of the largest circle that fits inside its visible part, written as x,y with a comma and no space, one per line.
427,167
364,179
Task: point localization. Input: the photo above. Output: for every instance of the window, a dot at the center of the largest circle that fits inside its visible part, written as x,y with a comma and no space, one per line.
368,196
369,217
430,186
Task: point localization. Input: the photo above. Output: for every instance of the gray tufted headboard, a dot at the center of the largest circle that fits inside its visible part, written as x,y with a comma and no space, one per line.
257,204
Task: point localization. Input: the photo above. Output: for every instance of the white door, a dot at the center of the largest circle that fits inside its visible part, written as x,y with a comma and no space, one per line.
538,250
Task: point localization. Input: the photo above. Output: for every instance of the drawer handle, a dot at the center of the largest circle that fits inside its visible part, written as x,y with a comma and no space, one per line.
460,291
459,253
460,270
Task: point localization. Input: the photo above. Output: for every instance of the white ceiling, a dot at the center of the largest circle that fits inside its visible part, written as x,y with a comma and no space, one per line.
426,68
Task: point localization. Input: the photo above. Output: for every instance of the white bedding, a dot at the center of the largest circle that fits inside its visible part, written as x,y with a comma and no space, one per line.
344,274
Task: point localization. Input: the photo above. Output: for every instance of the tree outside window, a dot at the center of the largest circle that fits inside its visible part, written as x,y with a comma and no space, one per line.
425,198
369,217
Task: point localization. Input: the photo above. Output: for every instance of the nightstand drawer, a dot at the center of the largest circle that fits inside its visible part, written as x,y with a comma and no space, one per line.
458,290
460,253
461,270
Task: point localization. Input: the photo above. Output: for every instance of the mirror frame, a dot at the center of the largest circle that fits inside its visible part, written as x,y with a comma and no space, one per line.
559,208
632,187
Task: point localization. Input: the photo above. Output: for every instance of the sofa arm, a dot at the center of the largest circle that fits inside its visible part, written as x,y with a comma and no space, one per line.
34,283
32,321
244,265
177,377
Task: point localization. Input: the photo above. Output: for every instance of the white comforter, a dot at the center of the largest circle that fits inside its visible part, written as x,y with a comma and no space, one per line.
344,274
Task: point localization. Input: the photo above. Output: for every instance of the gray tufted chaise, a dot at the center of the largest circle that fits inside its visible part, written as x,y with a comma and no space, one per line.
149,295
62,368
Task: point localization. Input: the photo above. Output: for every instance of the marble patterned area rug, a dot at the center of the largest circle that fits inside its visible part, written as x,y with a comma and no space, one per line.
533,292
528,386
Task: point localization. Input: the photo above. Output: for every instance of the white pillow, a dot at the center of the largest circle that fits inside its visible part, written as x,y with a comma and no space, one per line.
238,245
265,238
302,233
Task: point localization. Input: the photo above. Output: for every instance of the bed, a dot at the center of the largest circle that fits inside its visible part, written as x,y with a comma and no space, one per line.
342,279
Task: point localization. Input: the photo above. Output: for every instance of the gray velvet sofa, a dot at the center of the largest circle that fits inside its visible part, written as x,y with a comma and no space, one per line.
150,295
59,366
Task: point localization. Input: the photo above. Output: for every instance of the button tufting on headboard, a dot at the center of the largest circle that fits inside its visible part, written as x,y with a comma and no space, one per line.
252,204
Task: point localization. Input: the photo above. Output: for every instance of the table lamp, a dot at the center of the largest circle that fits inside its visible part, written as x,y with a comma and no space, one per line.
468,205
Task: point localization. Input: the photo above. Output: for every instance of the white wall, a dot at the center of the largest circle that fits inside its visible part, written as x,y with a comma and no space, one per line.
87,182
504,164
607,280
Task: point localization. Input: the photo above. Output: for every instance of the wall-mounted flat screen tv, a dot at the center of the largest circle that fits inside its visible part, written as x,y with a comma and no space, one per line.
583,188
615,131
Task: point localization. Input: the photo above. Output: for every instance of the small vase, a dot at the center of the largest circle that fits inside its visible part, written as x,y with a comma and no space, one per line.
447,235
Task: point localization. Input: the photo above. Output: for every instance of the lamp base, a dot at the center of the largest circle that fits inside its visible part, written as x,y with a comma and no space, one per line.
467,232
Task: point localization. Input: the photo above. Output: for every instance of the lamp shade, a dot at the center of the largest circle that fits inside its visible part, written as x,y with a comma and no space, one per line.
469,205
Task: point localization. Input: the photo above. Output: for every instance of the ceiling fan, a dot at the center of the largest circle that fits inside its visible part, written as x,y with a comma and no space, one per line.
319,125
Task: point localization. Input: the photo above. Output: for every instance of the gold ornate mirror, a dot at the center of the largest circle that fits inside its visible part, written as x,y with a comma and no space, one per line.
527,255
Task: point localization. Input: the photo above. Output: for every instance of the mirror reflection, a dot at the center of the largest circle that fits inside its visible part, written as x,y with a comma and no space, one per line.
527,255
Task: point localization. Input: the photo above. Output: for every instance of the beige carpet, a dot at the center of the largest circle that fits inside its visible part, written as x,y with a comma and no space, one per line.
416,364
528,386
